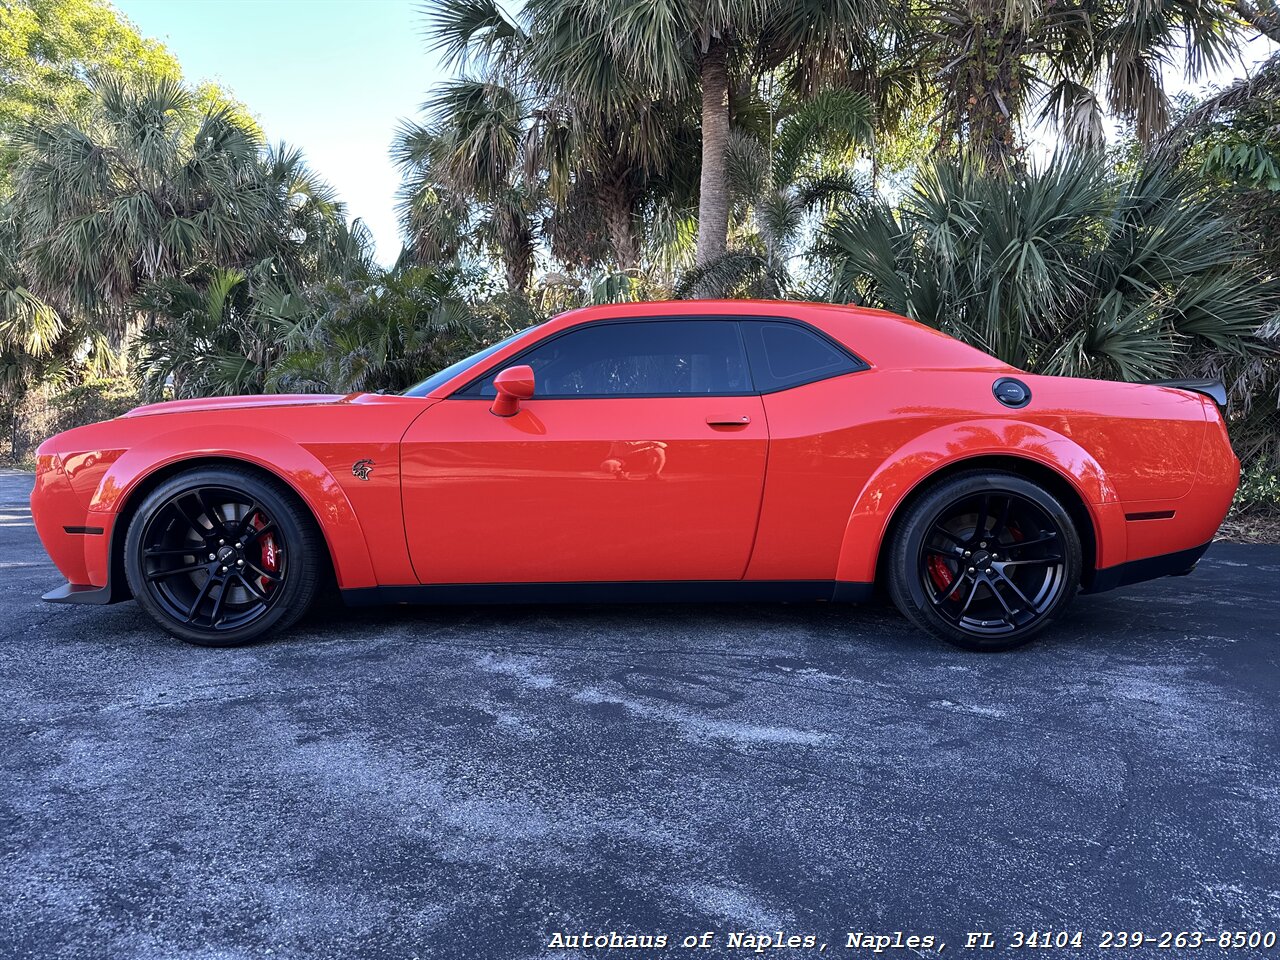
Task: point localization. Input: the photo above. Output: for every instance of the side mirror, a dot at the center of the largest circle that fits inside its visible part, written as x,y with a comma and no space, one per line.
513,385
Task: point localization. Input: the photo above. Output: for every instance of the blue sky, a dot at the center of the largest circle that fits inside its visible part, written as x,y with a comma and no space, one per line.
340,109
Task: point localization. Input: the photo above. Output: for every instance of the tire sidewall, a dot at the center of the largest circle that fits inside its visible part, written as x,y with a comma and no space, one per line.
906,585
299,581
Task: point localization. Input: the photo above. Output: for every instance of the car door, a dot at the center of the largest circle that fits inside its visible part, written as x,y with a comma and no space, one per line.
640,456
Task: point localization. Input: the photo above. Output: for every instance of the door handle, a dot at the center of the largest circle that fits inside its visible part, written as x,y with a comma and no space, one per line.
718,420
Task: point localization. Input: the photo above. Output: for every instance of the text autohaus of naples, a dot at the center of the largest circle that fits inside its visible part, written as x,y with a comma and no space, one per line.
754,941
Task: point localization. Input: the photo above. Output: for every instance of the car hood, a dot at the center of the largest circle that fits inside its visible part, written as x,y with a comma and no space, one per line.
235,403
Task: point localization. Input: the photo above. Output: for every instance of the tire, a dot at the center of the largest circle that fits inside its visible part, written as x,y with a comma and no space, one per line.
1021,569
222,556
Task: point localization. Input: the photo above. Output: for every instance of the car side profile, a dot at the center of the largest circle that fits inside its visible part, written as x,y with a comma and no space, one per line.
705,450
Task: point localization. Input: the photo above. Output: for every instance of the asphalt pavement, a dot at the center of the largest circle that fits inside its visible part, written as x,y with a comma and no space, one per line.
471,782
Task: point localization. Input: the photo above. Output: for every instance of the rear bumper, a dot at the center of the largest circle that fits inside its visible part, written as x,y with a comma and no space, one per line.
1150,568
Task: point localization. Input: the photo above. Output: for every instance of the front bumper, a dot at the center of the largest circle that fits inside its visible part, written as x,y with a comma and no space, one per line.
78,540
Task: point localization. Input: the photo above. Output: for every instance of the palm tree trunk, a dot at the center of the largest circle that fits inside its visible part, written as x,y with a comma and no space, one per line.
1263,16
615,200
713,192
518,263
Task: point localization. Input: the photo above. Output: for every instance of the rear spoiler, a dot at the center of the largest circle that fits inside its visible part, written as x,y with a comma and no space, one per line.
1215,390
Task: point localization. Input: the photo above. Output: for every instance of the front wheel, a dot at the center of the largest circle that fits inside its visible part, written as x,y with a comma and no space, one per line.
222,556
985,561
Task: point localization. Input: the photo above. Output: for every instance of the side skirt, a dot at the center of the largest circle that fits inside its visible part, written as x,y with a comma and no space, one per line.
659,591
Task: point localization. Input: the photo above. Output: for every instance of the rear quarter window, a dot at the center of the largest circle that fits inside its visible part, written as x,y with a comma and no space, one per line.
790,354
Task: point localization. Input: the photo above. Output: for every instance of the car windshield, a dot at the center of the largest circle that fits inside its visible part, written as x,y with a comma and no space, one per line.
451,371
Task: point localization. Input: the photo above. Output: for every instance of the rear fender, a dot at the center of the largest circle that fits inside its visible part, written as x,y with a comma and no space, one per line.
271,452
913,464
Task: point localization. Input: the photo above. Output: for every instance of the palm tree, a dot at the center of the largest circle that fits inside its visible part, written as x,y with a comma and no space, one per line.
28,324
607,167
998,63
598,167
463,183
1261,15
1073,269
792,166
611,57
150,186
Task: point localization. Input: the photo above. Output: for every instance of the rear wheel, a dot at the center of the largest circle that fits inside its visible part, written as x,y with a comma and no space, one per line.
985,561
222,556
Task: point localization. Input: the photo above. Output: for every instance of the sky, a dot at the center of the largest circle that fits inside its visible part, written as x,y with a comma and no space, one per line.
334,77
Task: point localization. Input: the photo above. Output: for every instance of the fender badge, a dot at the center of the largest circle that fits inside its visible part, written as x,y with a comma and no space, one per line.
361,469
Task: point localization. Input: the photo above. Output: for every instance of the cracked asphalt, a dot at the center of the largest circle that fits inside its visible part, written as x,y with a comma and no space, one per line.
466,782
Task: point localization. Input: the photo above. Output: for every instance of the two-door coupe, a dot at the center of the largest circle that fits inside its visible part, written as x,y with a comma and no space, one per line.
687,450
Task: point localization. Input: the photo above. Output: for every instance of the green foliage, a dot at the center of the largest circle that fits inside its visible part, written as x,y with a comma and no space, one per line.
1248,164
1259,487
463,193
49,48
1066,270
215,335
783,177
226,333
385,334
998,63
149,188
52,406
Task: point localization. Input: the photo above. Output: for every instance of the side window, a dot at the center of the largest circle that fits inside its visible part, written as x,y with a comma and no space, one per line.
788,354
636,358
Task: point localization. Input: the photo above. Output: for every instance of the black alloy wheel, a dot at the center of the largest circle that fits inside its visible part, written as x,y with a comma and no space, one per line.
985,561
221,556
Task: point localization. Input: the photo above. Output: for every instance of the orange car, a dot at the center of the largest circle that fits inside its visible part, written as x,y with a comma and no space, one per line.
703,450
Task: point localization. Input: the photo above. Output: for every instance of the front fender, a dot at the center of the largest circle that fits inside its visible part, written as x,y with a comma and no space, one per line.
923,456
272,452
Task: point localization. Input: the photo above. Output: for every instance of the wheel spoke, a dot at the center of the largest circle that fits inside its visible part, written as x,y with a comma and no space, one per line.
214,515
938,601
1034,562
955,553
1020,544
972,593
173,551
980,527
939,528
251,586
999,596
195,604
246,522
165,574
192,519
214,617
255,534
273,577
1021,596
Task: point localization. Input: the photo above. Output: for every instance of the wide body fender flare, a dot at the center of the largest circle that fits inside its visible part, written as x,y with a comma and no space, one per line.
271,452
919,460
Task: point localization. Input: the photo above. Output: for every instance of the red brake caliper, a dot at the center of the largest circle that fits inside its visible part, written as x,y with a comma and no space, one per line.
270,559
939,572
